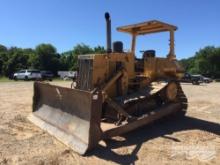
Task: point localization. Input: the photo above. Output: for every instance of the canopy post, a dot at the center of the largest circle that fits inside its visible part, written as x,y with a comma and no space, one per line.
133,43
171,54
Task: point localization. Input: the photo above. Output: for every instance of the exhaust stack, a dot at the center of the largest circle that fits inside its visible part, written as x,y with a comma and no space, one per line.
108,32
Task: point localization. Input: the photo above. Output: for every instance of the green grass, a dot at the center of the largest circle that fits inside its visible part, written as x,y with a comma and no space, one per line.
57,79
5,79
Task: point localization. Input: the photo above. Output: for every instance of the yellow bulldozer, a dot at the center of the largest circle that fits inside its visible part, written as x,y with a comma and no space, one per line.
115,92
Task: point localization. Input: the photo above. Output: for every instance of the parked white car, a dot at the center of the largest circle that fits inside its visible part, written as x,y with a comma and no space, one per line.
65,75
27,75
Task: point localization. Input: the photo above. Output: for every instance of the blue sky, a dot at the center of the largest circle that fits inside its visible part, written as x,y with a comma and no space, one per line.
64,23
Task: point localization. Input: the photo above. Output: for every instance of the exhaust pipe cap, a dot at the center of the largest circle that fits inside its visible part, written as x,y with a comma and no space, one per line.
107,16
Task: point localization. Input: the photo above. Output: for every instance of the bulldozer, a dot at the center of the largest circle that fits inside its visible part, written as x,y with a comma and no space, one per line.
115,92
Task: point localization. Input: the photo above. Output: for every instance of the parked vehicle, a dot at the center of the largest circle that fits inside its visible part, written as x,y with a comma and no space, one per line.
194,79
198,78
207,80
47,75
65,75
27,75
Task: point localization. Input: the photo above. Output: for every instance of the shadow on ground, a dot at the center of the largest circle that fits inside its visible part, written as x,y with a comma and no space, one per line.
159,129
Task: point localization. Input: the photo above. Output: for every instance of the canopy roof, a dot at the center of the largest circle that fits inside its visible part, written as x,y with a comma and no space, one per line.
153,26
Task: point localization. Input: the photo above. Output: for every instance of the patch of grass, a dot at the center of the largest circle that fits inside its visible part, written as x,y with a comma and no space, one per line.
5,79
60,79
57,79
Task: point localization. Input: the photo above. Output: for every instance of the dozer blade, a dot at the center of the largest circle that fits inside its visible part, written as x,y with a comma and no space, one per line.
71,115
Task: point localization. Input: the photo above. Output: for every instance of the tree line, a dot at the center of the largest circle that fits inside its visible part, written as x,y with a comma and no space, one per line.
206,62
43,57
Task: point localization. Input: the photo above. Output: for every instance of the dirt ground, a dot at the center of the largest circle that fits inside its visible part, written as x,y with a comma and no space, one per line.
194,139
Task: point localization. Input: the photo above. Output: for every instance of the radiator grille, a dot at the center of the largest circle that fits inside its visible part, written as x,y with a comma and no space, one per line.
84,80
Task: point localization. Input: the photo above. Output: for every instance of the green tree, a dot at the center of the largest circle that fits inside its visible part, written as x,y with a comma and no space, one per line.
99,49
16,60
43,57
3,58
70,58
47,58
79,49
206,62
3,48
